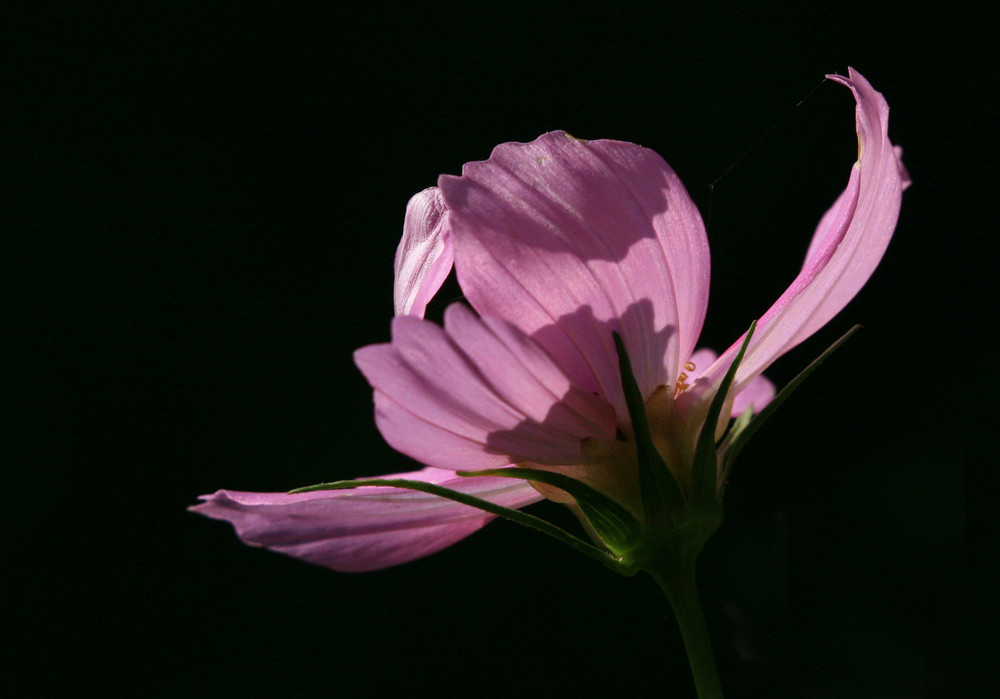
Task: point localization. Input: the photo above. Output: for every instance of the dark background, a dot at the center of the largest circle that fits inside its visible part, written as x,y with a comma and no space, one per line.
203,203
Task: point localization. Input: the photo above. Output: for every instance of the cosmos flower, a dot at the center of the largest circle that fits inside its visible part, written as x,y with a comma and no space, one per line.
559,245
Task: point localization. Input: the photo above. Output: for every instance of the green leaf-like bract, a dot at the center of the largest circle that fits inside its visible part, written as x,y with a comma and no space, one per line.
737,438
705,469
657,486
615,525
524,518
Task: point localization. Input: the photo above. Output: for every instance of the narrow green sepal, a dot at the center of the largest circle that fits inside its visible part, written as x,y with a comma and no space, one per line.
658,487
741,422
705,470
608,559
735,441
615,525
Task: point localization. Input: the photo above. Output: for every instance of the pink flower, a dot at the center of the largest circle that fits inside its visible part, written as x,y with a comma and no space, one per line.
558,244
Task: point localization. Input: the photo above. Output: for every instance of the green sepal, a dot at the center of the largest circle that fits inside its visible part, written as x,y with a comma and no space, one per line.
608,559
615,525
659,490
741,422
737,438
705,469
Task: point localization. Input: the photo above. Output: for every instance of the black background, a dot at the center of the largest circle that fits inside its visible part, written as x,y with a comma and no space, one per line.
203,203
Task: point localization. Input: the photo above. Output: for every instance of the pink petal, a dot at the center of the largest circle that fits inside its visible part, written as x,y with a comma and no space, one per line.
847,246
829,220
424,256
366,528
477,394
757,393
570,240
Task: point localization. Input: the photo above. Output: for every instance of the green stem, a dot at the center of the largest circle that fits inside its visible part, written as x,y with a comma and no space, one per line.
678,583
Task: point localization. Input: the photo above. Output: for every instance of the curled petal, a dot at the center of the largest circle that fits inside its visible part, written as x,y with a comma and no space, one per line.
366,528
424,257
570,240
847,246
829,222
477,394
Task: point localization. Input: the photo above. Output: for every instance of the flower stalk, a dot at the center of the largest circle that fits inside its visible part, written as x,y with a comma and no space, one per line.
673,536
675,574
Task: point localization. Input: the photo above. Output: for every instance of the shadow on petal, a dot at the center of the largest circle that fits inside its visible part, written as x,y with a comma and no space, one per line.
651,350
